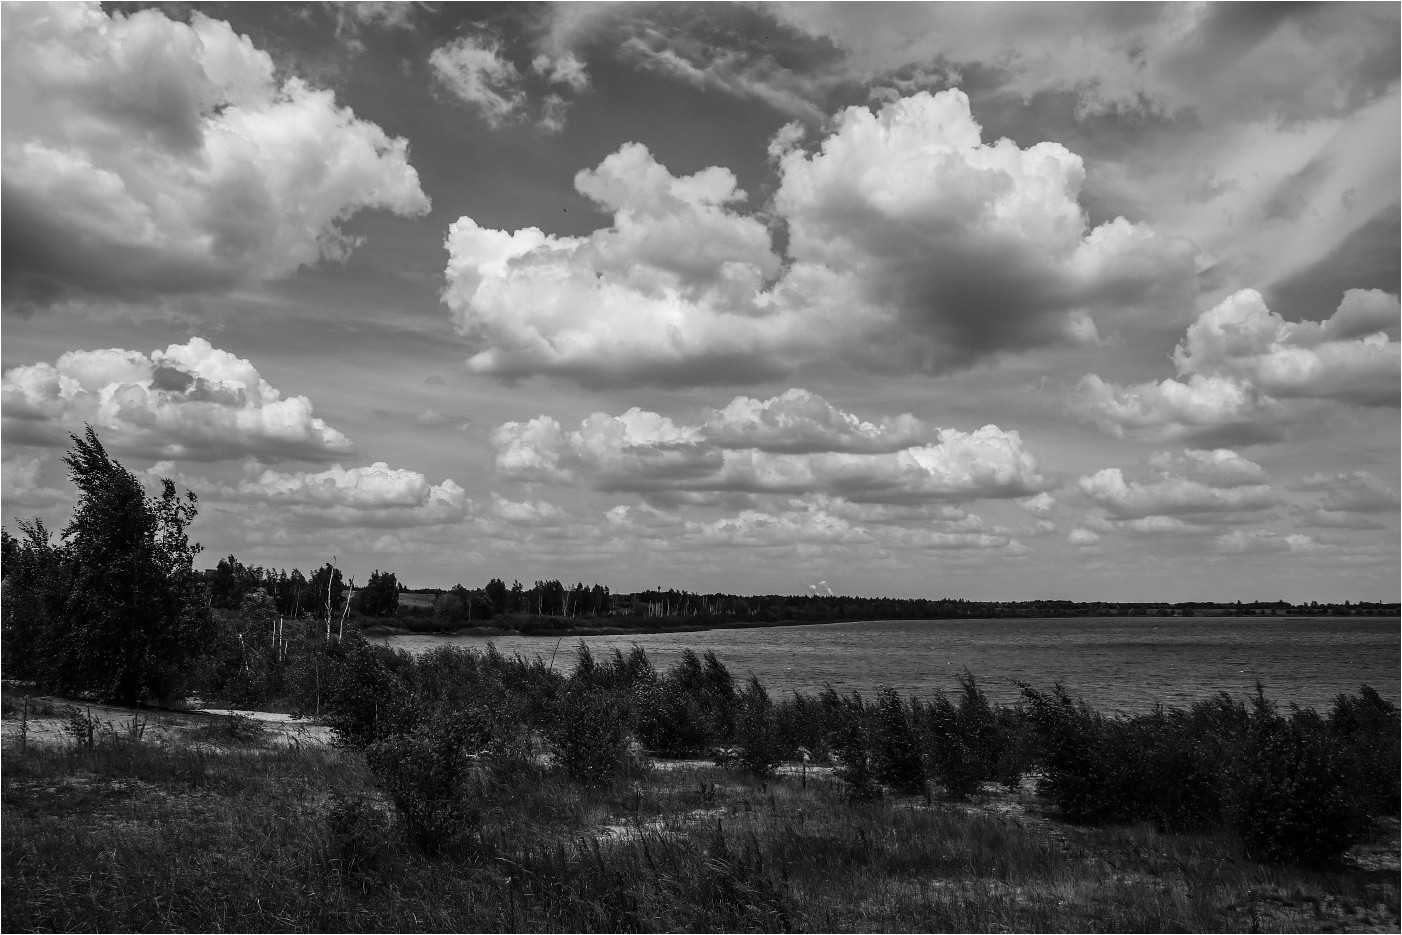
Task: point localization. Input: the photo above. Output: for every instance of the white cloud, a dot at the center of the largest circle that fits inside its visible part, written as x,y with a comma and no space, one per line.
372,496
475,71
1356,492
1240,541
644,452
144,156
23,483
1349,356
1220,467
1040,505
798,421
565,68
1083,537
912,244
1170,495
190,401
1244,371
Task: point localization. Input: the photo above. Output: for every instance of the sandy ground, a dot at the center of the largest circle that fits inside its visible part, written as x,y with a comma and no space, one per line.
48,718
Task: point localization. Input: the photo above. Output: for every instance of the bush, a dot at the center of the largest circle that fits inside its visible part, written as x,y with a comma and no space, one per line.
851,749
1368,728
969,744
756,731
427,774
895,748
1288,791
589,733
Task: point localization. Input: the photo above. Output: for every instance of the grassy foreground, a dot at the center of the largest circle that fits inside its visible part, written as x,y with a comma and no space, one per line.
187,824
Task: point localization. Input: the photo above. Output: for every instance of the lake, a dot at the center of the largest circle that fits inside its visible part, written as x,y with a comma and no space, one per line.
1114,663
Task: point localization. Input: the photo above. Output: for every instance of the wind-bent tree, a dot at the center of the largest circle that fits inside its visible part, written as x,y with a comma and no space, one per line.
115,609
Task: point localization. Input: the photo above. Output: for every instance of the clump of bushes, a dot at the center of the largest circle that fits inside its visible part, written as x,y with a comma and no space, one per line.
1294,788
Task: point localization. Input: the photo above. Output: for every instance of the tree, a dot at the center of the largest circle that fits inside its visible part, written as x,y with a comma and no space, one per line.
116,609
380,596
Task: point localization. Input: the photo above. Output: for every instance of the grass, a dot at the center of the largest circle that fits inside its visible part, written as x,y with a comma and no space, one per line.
138,835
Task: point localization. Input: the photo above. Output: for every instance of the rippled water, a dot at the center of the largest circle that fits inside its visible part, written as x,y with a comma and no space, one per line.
1113,663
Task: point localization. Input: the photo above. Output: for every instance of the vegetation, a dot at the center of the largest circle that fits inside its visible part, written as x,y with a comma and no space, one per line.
114,609
472,791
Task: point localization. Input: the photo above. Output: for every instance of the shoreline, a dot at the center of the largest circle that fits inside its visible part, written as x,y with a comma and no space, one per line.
387,630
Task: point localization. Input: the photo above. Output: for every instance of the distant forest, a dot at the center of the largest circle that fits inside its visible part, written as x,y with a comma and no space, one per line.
555,605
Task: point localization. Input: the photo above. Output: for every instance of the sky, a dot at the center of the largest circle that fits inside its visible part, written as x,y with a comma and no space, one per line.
982,301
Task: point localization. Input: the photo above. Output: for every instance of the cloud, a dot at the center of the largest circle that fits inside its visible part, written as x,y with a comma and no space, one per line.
22,482
375,496
432,419
798,422
644,452
1040,505
1240,541
145,157
1081,536
191,401
1355,492
911,244
1352,356
1170,495
1244,371
1191,493
1221,467
476,70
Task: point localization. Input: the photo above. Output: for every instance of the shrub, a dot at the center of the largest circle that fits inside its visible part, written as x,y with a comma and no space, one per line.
969,744
1288,792
895,749
756,731
851,748
1368,728
590,736
1087,768
426,774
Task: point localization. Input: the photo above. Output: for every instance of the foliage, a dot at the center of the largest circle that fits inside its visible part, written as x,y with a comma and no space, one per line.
380,596
896,749
115,610
969,743
756,731
589,734
851,749
426,774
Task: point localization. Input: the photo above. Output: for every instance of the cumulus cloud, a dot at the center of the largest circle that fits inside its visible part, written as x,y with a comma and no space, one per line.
144,156
798,422
1040,505
1170,495
23,482
644,452
1240,541
1241,367
1191,493
1352,356
1354,492
373,496
1083,537
190,401
911,243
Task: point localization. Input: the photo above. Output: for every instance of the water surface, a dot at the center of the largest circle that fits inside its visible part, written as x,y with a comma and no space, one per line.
1114,663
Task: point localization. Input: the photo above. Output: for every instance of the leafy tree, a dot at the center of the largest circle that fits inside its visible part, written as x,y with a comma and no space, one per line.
116,609
380,596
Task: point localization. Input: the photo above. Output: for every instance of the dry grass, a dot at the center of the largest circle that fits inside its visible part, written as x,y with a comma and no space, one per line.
163,834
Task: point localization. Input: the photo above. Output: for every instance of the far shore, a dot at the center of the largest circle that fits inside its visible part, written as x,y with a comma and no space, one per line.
650,625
